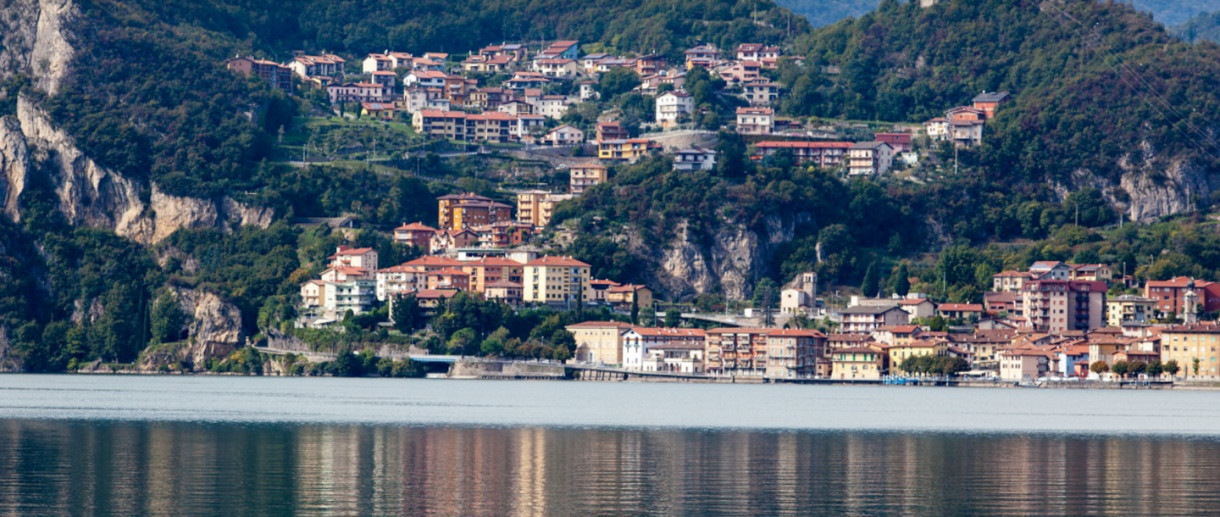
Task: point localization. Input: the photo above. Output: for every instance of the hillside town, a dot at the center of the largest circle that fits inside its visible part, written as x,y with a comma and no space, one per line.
1055,320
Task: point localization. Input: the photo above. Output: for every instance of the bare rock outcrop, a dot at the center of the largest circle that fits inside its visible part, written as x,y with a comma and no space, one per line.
732,259
215,326
14,162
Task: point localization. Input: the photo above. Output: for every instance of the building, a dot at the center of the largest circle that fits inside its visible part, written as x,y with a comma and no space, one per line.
504,291
906,349
397,280
415,234
858,363
965,127
1025,364
676,350
694,159
1129,309
1009,281
582,177
444,241
918,307
1170,295
706,56
1092,272
469,210
275,74
564,135
802,296
820,154
626,150
356,295
552,106
599,341
755,120
1050,270
793,353
988,103
359,92
673,106
362,258
961,311
536,206
1190,345
760,93
869,159
555,280
624,297
736,351
899,142
611,131
867,318
325,65
1064,305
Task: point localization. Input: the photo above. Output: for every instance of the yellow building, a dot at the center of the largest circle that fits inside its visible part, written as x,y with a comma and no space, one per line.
901,351
555,280
536,206
625,150
469,210
860,363
1188,343
599,341
582,177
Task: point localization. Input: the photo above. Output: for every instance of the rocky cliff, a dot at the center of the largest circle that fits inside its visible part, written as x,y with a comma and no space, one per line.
34,40
732,260
90,195
214,331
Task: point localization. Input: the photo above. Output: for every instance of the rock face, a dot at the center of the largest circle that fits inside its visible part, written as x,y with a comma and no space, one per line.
14,162
91,195
733,259
34,40
215,327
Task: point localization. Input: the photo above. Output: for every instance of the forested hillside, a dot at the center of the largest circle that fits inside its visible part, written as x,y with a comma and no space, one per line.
825,12
1102,95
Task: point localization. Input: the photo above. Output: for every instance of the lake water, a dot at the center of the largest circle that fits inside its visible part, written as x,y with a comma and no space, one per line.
257,446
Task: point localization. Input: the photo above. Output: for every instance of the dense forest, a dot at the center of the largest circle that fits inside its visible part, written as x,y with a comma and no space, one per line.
825,12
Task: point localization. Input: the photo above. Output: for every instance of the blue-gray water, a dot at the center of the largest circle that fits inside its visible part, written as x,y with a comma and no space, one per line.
254,446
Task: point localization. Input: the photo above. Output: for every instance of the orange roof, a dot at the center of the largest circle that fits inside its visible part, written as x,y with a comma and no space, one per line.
416,227
674,332
803,145
449,272
796,333
961,307
345,251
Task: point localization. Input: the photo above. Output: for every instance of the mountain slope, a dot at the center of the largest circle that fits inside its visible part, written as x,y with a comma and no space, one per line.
825,12
1174,12
1204,27
1103,96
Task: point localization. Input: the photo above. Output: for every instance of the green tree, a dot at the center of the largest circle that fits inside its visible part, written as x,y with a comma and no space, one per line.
673,318
1099,367
167,319
901,281
617,80
1194,366
1121,368
495,343
648,316
407,314
563,344
463,342
1137,367
871,285
1171,367
1155,368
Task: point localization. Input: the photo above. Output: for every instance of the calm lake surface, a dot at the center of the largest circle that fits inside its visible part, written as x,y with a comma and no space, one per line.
255,446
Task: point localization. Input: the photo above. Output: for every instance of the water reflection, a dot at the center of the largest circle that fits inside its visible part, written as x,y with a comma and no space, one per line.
175,468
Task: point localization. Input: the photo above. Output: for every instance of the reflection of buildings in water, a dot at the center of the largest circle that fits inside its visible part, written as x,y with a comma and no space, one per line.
786,454
529,480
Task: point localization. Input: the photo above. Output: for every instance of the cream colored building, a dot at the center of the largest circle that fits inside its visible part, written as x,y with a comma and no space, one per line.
1024,364
582,177
1129,308
555,280
1187,343
536,206
599,341
861,363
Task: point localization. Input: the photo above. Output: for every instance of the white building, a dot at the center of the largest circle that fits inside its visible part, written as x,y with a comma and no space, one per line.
673,104
755,120
663,350
695,159
802,296
564,135
552,106
869,159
